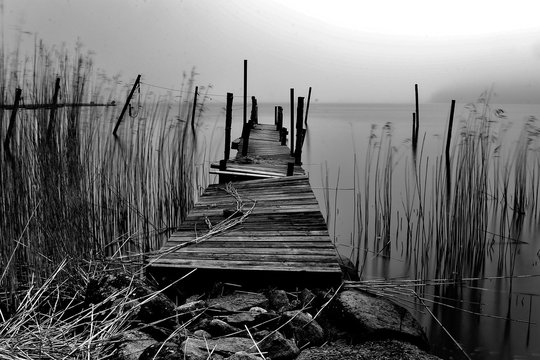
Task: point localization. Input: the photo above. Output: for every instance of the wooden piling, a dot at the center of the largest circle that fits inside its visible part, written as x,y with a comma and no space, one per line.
12,119
292,123
126,104
245,92
447,154
283,136
254,111
307,106
299,131
193,111
228,123
245,138
279,118
290,169
52,114
417,111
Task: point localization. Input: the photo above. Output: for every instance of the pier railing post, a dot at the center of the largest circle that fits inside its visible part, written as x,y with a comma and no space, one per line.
299,131
228,123
290,169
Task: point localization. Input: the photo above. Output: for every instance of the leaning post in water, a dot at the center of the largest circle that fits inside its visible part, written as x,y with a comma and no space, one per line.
126,104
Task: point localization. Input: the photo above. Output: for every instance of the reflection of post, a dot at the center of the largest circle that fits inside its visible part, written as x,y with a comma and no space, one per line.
53,109
126,104
12,119
299,128
292,123
228,122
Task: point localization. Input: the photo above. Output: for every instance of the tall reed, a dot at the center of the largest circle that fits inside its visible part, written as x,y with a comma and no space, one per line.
83,192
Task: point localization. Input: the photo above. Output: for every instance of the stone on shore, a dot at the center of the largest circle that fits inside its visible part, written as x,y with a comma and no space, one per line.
199,349
366,316
303,328
387,350
238,301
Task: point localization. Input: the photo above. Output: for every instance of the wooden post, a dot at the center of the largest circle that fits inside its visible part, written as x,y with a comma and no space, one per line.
279,118
12,119
292,123
449,134
307,106
447,153
254,111
414,131
245,92
228,123
275,117
245,137
417,110
299,128
290,169
194,110
53,109
126,104
283,136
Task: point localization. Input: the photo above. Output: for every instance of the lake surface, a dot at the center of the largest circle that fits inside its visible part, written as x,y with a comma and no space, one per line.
495,312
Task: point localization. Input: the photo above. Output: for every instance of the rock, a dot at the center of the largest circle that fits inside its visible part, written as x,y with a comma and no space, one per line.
132,343
147,305
202,334
238,301
278,299
257,310
190,309
366,315
304,328
241,319
306,297
388,350
162,351
242,355
276,345
218,327
198,349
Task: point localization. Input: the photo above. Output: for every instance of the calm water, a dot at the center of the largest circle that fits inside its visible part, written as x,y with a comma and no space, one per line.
496,316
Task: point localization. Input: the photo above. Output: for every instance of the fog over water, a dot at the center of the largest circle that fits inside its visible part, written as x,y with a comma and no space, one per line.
348,51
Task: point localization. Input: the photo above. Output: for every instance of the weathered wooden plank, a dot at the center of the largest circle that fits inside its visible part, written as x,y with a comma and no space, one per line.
284,232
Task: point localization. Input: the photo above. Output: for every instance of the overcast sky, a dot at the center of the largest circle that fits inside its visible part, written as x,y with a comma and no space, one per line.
361,51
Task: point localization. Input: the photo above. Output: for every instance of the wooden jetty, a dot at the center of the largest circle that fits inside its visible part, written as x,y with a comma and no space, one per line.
278,233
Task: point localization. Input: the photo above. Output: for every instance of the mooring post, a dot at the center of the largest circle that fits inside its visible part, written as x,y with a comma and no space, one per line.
228,123
299,128
292,123
126,104
11,126
307,106
449,134
245,92
50,127
414,131
275,117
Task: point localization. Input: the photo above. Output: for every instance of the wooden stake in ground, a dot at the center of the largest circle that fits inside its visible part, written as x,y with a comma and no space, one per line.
137,81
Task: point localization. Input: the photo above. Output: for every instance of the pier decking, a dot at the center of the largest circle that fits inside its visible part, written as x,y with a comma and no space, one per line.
279,230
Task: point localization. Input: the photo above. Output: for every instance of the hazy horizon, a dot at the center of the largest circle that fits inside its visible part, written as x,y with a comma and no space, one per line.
348,51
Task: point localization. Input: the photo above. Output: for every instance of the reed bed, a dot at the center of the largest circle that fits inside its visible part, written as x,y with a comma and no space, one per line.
79,191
